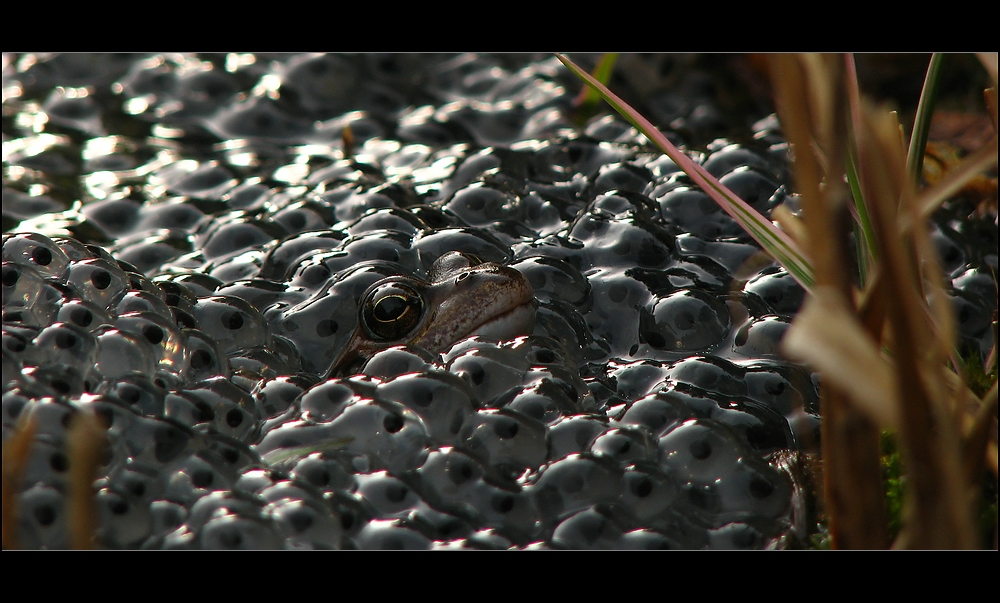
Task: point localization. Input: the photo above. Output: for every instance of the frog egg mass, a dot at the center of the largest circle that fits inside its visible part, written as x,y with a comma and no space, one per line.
398,302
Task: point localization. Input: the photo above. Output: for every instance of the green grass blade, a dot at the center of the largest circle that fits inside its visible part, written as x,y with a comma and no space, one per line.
867,248
922,121
602,73
864,234
772,239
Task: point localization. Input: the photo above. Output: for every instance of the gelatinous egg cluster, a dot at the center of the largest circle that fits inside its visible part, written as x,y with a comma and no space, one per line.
187,240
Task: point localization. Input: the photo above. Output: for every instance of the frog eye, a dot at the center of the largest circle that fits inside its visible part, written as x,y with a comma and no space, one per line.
391,311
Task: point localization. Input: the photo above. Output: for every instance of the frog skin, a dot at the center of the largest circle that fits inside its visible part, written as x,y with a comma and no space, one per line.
463,296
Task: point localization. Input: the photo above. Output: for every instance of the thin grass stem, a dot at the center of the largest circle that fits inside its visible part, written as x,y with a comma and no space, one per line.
863,233
922,121
770,237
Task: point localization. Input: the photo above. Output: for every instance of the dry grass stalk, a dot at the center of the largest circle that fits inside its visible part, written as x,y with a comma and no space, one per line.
16,450
886,362
852,478
991,104
977,438
930,199
989,61
936,513
86,443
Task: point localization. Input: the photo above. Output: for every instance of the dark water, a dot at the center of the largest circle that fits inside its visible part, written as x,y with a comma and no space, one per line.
187,240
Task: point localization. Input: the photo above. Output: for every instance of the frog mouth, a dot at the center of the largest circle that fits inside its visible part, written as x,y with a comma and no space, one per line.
513,323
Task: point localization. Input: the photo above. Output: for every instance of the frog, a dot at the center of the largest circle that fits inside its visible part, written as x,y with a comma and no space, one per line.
461,297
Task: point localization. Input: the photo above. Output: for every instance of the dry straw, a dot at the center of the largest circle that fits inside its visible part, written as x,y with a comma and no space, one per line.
885,349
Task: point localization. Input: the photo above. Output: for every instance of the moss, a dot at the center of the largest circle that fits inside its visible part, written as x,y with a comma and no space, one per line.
978,379
894,482
821,540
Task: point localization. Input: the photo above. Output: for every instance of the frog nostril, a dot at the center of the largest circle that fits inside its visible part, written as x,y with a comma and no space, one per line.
462,277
